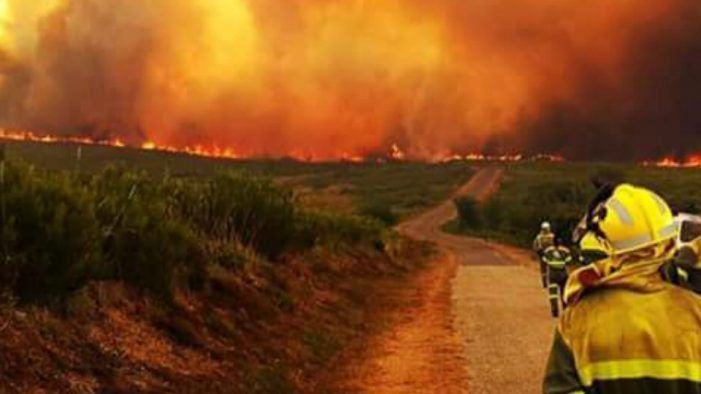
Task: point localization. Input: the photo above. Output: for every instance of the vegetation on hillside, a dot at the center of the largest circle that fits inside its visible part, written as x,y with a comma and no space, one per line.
125,280
560,193
392,191
126,270
60,230
387,192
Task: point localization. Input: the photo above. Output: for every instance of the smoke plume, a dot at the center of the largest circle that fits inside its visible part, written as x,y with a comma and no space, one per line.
328,78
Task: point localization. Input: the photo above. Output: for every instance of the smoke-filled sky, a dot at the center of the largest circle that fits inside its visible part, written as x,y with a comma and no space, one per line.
587,79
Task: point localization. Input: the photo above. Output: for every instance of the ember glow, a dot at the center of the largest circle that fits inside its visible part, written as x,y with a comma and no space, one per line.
28,136
393,154
692,161
350,79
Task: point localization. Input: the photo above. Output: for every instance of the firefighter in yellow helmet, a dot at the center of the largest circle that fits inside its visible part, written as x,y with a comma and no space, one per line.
558,259
587,250
544,240
592,249
626,329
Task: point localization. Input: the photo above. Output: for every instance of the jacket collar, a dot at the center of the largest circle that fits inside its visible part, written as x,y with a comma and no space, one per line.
636,271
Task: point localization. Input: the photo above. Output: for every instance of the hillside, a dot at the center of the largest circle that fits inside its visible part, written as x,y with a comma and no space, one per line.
560,192
125,275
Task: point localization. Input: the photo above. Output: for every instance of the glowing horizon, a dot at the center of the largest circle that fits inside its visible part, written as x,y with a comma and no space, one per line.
352,77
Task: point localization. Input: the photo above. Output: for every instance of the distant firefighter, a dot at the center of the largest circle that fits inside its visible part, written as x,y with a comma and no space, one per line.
544,240
626,329
556,258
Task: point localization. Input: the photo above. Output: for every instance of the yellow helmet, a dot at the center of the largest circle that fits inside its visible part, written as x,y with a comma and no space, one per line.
633,218
591,242
592,248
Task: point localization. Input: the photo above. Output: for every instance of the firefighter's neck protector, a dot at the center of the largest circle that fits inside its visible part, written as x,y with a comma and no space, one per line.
637,271
593,248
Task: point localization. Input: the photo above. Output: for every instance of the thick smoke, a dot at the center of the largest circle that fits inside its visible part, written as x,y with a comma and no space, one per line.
594,79
646,105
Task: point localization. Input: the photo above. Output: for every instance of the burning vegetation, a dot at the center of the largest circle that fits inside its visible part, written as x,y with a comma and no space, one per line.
692,161
346,79
394,154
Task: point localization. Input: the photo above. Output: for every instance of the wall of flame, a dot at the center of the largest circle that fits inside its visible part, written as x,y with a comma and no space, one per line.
332,78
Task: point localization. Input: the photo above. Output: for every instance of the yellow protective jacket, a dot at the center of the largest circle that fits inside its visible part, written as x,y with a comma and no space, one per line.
557,257
543,241
633,336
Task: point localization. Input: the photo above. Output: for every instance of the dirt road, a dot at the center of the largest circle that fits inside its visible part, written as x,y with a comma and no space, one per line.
476,322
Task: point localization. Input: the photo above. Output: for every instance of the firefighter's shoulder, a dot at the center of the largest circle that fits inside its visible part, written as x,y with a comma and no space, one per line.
646,329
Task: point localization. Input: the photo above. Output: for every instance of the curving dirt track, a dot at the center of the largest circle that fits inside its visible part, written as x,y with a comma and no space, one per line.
476,321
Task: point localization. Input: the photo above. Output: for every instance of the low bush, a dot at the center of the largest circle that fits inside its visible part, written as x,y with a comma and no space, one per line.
59,230
240,208
143,242
469,213
332,229
50,233
381,212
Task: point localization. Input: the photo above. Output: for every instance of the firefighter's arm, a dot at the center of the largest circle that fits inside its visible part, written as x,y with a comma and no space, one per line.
536,244
561,374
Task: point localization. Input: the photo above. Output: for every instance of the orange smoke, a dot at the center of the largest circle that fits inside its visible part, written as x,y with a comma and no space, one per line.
317,79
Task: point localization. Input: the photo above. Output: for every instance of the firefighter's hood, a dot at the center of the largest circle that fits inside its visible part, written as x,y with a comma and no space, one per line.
636,271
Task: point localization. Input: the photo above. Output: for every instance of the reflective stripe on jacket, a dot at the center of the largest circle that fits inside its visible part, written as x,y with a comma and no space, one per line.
618,340
557,257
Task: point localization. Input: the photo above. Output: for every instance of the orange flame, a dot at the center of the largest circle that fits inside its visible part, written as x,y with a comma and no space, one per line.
394,153
507,158
197,150
692,161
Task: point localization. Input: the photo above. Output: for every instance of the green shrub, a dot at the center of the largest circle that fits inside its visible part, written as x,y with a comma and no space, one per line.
59,230
469,215
381,212
332,229
157,255
241,208
144,244
50,235
493,213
